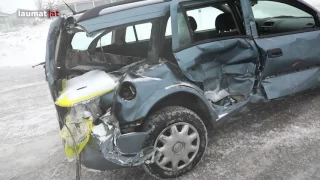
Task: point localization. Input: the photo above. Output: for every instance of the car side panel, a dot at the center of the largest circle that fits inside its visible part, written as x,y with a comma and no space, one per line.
299,51
291,83
288,62
153,82
221,64
296,69
172,89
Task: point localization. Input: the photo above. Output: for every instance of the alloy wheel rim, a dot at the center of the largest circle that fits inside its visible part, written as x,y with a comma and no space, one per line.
178,144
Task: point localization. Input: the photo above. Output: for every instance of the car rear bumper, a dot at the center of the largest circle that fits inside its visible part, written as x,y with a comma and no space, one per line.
114,150
92,158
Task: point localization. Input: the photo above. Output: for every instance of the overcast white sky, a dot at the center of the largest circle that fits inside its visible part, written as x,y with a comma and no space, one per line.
11,6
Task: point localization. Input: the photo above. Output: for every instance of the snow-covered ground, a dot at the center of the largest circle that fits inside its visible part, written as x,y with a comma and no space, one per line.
25,46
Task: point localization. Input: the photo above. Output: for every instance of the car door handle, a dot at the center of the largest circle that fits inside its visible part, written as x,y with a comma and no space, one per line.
273,53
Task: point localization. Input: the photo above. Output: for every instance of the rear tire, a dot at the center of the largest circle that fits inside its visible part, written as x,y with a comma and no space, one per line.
181,137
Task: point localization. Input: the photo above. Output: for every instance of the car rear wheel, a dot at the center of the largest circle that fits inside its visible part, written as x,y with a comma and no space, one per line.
181,137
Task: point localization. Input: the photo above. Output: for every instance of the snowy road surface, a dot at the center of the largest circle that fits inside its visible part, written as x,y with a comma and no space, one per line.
280,141
25,46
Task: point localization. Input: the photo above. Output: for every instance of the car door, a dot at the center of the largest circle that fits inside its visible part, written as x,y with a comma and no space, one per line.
289,38
224,64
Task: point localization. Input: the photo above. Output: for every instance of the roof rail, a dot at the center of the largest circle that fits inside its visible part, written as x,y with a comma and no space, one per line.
94,12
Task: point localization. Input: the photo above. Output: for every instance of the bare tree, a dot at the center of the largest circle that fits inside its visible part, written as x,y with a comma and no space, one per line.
51,4
39,4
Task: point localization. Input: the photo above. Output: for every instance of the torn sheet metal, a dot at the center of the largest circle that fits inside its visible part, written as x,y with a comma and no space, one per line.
216,95
107,135
81,95
225,112
226,64
93,159
240,85
147,78
239,69
291,83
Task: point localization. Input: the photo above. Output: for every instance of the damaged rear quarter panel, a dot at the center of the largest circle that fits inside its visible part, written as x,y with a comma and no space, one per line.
153,82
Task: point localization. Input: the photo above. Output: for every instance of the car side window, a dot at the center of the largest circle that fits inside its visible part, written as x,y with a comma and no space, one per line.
143,32
276,17
206,23
105,40
81,41
184,35
204,18
168,28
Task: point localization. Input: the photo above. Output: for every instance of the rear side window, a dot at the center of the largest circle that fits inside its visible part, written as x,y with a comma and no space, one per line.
138,32
205,24
81,41
105,40
205,19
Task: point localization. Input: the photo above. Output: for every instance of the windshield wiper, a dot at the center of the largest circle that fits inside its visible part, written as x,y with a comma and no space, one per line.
285,16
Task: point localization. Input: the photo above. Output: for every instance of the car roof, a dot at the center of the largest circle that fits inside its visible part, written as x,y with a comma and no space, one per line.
122,12
116,6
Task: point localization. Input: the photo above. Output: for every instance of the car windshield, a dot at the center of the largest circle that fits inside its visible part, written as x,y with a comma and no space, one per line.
271,9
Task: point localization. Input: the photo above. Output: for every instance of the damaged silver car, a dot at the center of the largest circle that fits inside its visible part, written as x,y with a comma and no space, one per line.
140,82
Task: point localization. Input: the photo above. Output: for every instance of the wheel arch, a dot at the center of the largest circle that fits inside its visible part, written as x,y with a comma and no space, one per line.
183,96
